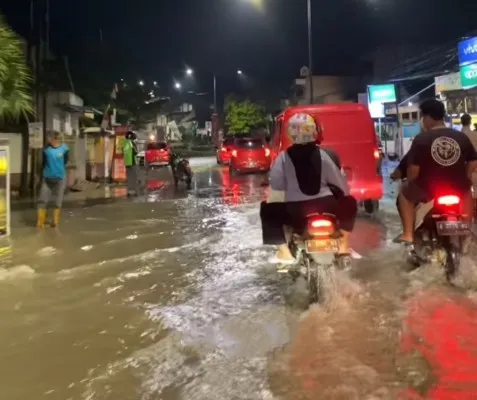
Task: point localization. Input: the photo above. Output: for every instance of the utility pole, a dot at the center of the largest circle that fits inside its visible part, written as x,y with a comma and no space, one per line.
44,64
215,94
310,50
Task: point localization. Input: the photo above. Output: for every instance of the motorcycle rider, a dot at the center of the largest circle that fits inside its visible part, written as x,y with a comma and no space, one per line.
312,183
441,160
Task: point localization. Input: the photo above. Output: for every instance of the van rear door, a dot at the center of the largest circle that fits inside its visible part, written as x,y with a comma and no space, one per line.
352,135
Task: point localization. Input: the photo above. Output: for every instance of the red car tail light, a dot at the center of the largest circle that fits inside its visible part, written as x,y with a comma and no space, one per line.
448,200
234,153
267,152
320,227
377,155
223,149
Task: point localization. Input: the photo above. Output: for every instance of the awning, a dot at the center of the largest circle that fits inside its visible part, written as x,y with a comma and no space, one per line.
78,109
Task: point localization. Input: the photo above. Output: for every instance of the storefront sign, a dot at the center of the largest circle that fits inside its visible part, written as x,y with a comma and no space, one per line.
468,51
382,93
446,83
377,96
4,191
455,105
468,76
471,104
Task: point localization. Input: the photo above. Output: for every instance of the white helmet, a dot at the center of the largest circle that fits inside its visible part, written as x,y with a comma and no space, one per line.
302,128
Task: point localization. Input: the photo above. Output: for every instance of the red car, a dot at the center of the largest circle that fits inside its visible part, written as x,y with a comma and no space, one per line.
224,152
157,154
250,155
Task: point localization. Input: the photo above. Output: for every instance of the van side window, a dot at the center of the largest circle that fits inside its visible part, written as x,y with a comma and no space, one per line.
277,132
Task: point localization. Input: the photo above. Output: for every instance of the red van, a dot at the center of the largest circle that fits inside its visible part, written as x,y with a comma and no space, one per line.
349,130
157,154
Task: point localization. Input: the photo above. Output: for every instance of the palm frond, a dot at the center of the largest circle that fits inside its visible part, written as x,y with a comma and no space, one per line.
15,77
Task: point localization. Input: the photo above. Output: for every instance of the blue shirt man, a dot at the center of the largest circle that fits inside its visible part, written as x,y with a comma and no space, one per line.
55,158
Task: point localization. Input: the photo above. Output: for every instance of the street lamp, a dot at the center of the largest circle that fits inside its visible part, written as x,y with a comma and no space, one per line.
310,51
177,85
239,72
141,83
189,71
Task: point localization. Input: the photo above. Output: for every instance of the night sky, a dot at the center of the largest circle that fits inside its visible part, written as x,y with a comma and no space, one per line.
154,39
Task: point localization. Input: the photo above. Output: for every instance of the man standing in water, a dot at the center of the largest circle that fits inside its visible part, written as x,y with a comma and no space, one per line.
129,155
55,158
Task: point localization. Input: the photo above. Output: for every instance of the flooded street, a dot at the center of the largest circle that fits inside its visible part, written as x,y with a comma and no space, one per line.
169,296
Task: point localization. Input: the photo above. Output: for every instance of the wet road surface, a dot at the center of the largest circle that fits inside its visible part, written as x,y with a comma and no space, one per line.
169,296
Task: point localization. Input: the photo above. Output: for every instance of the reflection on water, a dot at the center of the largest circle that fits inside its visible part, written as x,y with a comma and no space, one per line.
169,297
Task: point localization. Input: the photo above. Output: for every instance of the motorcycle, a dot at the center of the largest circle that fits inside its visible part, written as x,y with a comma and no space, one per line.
315,250
182,172
441,231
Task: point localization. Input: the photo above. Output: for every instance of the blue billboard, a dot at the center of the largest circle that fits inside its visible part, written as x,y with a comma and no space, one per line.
468,51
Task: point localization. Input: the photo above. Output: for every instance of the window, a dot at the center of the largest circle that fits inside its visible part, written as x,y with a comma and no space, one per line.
156,146
249,143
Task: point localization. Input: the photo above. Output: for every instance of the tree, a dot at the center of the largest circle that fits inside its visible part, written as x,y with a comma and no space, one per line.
15,96
243,116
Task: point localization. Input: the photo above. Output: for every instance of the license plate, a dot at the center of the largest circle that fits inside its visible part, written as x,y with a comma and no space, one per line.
319,246
453,228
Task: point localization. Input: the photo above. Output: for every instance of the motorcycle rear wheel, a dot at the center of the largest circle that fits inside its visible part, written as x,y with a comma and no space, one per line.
321,282
453,257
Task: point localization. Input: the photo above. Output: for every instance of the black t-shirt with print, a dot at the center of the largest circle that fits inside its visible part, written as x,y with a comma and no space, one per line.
442,155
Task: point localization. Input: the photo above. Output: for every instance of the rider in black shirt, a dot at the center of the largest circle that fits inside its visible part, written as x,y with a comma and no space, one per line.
440,161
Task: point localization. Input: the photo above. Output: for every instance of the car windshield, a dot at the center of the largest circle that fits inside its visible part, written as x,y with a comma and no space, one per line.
249,143
156,146
228,142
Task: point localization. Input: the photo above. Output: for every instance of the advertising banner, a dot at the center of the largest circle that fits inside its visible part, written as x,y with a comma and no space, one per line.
467,50
468,75
447,83
35,131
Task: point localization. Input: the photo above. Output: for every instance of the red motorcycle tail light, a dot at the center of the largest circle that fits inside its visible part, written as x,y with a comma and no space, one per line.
448,200
320,227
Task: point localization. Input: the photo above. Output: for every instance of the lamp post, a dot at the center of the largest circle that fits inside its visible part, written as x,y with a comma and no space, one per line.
310,51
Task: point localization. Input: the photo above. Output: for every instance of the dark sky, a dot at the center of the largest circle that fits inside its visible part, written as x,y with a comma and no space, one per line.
153,38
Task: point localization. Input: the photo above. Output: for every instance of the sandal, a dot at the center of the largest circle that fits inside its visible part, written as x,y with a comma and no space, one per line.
399,240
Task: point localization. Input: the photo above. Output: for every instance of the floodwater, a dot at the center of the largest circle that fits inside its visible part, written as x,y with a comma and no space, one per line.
169,296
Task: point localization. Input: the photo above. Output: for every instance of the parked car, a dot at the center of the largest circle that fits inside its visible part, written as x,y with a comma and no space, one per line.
224,151
250,155
348,130
158,154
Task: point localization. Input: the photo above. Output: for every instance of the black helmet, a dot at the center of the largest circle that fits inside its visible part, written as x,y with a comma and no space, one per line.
131,135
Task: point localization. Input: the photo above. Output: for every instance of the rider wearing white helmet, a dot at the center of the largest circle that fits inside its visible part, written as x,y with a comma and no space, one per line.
312,183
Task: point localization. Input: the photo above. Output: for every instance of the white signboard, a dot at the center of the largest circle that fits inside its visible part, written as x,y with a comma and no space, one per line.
445,83
35,130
